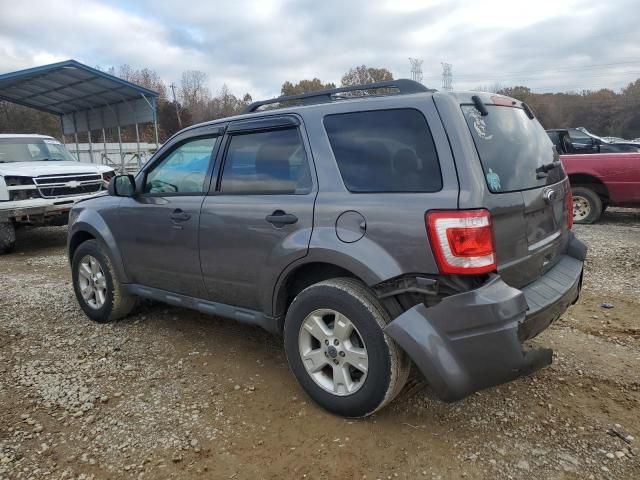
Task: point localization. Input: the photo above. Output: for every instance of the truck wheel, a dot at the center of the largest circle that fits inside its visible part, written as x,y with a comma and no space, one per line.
7,237
98,290
587,206
336,348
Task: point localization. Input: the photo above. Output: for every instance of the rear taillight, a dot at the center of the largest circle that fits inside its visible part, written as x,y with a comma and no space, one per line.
570,209
462,241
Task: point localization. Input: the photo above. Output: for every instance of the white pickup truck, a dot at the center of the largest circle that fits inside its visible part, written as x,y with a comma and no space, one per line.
39,183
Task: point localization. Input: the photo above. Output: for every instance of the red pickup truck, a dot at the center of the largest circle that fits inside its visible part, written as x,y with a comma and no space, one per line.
602,179
599,180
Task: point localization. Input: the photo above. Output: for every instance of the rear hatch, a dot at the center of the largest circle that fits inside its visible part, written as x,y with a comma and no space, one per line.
528,192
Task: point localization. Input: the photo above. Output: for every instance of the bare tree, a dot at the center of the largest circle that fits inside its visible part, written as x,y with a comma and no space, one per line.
304,86
362,74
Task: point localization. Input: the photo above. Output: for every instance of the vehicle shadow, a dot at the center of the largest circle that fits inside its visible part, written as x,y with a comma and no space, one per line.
613,216
39,240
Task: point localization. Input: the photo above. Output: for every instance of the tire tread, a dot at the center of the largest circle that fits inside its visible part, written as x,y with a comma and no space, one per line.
398,360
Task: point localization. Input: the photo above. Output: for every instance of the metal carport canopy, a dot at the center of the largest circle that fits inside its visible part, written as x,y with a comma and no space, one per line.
85,98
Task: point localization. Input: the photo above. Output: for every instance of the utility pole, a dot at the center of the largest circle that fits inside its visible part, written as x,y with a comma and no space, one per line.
416,69
175,102
447,76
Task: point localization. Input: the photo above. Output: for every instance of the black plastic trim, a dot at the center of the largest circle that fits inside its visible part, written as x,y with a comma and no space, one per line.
242,315
403,85
263,123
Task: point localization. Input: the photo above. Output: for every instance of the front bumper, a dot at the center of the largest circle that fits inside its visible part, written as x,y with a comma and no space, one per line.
40,209
473,340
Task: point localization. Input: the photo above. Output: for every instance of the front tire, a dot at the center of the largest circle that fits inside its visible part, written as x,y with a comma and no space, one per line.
7,237
337,350
587,205
96,285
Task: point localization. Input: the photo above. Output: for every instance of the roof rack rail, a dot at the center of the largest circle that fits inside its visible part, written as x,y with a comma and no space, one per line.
403,85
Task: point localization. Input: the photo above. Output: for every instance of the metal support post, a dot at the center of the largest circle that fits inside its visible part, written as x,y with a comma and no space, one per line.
138,147
89,136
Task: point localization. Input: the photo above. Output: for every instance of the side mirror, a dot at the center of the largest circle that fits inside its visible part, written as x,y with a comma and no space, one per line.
122,186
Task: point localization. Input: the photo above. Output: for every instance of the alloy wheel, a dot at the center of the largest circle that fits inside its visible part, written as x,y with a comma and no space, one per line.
92,282
333,352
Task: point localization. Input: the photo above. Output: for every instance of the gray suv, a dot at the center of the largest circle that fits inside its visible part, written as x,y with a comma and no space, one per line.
372,227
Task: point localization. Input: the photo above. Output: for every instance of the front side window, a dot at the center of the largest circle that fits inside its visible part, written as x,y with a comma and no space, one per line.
270,162
384,151
184,170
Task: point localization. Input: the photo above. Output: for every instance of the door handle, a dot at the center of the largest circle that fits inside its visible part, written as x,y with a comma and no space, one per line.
179,215
280,218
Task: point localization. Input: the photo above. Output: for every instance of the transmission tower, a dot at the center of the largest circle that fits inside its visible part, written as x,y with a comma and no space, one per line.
416,69
447,76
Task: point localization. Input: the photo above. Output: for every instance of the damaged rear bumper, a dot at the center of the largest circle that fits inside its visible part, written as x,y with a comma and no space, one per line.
473,340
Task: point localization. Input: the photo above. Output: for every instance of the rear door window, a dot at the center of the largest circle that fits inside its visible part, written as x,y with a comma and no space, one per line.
270,162
511,147
384,151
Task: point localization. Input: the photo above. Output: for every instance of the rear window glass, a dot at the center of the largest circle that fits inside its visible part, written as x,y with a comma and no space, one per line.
511,147
384,151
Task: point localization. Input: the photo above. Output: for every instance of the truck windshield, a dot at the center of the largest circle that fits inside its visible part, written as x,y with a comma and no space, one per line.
515,151
32,150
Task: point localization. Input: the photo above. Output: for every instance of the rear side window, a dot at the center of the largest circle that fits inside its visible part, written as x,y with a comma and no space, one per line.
384,151
511,147
272,162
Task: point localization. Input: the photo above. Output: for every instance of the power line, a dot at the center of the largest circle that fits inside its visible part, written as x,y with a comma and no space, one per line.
542,71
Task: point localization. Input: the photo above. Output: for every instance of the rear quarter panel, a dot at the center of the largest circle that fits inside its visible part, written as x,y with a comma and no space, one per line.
395,241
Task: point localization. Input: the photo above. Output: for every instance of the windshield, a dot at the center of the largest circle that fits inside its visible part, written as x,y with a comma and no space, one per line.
515,151
33,150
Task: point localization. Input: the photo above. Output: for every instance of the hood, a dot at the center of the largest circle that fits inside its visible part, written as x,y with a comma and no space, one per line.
37,169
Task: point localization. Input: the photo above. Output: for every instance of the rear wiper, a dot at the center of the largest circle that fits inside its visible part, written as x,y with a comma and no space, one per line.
542,170
477,102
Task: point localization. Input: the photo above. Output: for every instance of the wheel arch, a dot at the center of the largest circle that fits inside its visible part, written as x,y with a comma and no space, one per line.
95,228
77,239
309,271
590,181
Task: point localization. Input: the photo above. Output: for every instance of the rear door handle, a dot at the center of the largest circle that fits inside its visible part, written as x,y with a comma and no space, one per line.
179,215
279,218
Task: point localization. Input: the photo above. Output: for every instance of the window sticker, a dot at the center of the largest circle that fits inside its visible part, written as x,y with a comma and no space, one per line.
479,125
493,180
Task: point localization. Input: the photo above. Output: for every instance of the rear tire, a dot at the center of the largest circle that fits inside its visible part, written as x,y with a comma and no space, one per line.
587,205
7,237
98,290
339,380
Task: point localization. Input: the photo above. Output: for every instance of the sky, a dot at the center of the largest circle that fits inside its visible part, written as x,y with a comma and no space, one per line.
254,46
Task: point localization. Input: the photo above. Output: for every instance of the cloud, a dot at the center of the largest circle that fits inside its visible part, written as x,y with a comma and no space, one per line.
256,46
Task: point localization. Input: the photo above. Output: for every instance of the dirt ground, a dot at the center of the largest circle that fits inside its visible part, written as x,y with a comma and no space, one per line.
171,393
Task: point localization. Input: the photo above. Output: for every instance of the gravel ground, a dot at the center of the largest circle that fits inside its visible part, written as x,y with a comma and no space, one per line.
171,393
